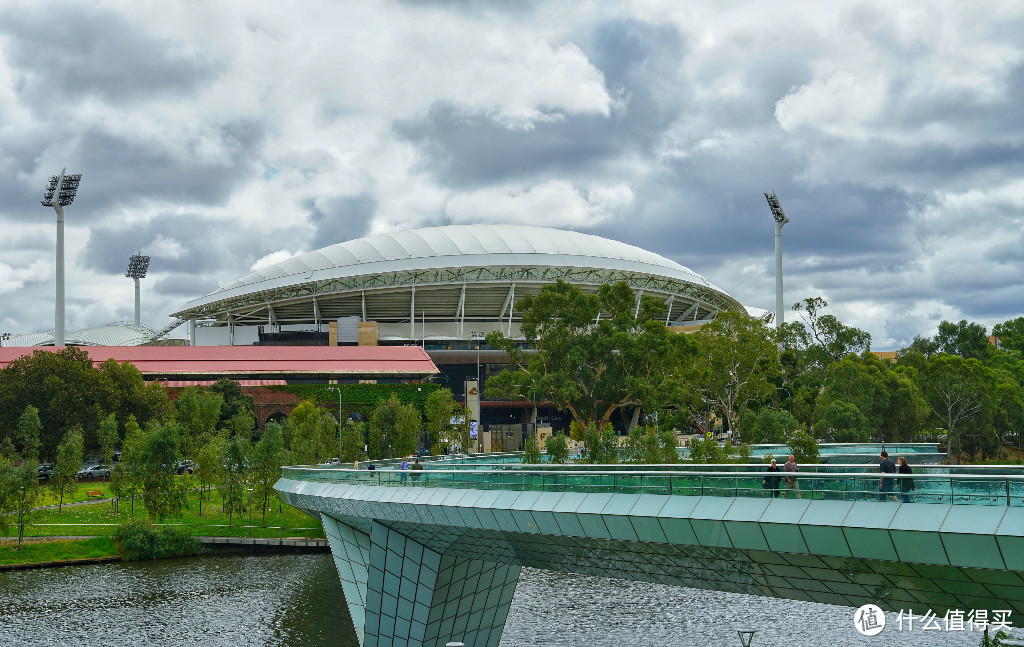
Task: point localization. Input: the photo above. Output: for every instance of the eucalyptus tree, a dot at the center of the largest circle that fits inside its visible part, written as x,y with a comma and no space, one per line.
313,433
268,455
394,428
592,355
959,391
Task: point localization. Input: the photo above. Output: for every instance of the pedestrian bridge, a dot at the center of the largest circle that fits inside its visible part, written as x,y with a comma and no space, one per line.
434,557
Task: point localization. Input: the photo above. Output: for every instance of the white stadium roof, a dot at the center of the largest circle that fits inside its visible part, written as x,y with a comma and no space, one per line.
124,333
500,263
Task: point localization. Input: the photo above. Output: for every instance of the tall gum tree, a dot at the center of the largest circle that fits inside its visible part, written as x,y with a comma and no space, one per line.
592,355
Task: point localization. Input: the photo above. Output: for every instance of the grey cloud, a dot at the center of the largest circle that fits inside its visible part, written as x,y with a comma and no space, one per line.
641,64
185,285
77,50
339,219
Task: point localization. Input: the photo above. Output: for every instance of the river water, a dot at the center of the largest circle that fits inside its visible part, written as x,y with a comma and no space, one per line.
296,601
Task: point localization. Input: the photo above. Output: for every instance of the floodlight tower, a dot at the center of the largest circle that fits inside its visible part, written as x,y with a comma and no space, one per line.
60,193
780,219
138,265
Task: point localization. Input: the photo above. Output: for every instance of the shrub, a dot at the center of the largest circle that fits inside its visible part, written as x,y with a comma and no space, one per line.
139,539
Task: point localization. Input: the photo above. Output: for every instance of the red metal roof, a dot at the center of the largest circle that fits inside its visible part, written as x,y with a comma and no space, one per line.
257,361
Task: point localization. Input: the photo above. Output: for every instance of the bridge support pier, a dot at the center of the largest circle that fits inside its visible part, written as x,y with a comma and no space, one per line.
400,592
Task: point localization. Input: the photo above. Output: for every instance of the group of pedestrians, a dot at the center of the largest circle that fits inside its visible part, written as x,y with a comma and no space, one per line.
785,475
886,484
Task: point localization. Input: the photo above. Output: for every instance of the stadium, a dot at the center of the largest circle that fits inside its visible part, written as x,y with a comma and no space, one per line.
435,286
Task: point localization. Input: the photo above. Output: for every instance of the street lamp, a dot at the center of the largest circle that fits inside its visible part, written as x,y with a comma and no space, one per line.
138,265
478,335
533,392
60,193
780,219
746,636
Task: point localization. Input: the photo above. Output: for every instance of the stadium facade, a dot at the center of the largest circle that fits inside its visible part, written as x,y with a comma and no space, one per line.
438,285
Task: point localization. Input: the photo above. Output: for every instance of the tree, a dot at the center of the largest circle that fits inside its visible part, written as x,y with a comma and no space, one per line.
19,492
268,455
600,447
803,446
198,410
439,411
234,475
313,432
707,450
842,422
735,361
235,402
106,436
28,431
394,428
591,355
531,453
129,470
767,426
126,394
958,391
828,336
967,340
1010,334
70,453
557,448
209,465
353,438
162,495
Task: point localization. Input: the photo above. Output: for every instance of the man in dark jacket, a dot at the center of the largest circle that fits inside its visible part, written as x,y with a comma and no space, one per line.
886,485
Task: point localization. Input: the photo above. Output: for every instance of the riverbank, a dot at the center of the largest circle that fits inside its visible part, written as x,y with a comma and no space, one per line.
51,553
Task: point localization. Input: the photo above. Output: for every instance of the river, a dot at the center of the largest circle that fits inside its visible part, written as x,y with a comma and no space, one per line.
295,601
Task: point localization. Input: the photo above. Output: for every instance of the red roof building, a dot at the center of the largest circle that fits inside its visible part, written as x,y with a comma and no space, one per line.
267,364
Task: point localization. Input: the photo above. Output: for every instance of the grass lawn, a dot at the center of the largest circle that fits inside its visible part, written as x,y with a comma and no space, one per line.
100,519
34,551
84,487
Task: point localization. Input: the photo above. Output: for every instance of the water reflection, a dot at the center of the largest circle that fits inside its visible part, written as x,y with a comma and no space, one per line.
296,601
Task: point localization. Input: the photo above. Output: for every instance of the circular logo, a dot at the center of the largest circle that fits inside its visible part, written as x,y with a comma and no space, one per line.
869,620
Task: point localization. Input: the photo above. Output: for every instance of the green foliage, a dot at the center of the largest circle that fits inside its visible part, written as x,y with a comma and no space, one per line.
359,398
313,434
19,496
967,340
767,425
198,410
600,447
234,476
235,402
708,451
353,439
139,540
1010,334
557,447
649,446
531,453
70,453
959,391
439,410
68,392
842,422
162,494
268,455
28,432
37,552
803,446
736,361
394,428
590,366
209,465
107,438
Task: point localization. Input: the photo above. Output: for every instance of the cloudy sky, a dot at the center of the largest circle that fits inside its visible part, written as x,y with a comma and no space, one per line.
217,137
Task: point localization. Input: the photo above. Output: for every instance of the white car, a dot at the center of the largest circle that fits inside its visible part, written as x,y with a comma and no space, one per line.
94,471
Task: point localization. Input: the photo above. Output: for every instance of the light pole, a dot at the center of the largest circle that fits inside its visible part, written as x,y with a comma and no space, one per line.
250,520
341,443
780,219
60,193
138,265
477,336
534,394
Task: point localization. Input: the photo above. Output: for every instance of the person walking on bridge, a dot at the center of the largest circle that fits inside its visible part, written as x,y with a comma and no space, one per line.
771,482
906,483
886,484
791,468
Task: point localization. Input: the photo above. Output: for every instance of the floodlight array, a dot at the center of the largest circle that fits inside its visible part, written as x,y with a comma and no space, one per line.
138,265
68,189
777,212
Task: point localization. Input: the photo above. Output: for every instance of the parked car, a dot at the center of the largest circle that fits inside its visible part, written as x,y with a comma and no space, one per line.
94,471
45,470
184,466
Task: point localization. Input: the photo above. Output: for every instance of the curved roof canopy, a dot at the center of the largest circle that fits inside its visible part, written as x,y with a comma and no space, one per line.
453,255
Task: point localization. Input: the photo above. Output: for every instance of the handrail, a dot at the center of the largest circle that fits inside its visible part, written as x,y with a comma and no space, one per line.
977,489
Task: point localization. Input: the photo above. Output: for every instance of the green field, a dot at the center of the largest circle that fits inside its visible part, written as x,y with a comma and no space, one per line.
100,519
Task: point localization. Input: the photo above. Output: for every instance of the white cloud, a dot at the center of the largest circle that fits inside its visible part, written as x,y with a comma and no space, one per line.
555,203
272,259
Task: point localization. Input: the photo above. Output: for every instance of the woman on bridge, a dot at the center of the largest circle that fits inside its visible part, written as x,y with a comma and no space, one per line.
771,482
906,483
